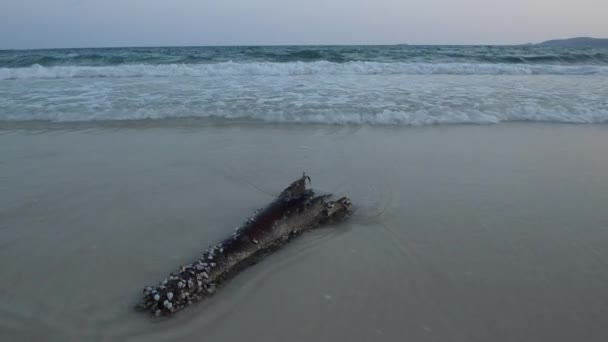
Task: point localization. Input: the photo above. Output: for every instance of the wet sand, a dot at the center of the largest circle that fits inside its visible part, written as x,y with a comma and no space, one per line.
462,233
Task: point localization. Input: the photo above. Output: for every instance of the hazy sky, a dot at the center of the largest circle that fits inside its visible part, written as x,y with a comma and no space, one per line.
92,23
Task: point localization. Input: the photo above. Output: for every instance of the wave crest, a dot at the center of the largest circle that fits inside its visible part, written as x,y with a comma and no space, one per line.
295,68
284,54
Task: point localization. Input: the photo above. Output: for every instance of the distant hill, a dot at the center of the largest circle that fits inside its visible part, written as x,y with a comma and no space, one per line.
580,42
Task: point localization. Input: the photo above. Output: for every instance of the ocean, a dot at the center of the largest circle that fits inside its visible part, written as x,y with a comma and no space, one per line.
379,85
477,175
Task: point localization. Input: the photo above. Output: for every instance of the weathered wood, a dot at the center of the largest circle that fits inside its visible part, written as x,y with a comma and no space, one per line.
294,211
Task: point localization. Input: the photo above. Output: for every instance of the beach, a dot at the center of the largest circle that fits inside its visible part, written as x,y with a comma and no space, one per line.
459,232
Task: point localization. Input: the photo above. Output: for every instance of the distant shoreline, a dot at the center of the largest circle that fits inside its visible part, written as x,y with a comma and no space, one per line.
580,42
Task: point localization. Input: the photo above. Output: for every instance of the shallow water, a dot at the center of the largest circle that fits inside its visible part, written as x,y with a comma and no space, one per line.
378,85
461,233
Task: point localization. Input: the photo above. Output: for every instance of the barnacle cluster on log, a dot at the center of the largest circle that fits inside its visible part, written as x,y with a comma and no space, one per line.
295,210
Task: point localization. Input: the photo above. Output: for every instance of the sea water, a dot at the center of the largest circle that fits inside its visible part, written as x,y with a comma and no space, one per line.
379,85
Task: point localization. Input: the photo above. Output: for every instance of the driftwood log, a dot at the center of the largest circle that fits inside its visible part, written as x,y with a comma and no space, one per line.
294,211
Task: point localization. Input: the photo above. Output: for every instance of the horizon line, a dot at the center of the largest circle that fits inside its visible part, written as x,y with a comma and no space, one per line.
246,45
282,45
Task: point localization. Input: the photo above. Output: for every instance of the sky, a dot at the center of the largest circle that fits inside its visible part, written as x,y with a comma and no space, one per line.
107,23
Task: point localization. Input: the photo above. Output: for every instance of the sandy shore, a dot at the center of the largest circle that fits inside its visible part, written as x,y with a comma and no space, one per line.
462,233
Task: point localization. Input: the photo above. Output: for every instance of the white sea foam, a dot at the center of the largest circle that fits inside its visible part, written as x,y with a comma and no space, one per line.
295,68
420,117
299,97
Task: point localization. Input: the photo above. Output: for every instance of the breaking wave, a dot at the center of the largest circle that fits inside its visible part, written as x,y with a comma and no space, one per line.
285,54
295,68
582,114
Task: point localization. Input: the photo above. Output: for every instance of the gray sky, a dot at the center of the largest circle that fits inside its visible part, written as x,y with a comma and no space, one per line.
93,23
